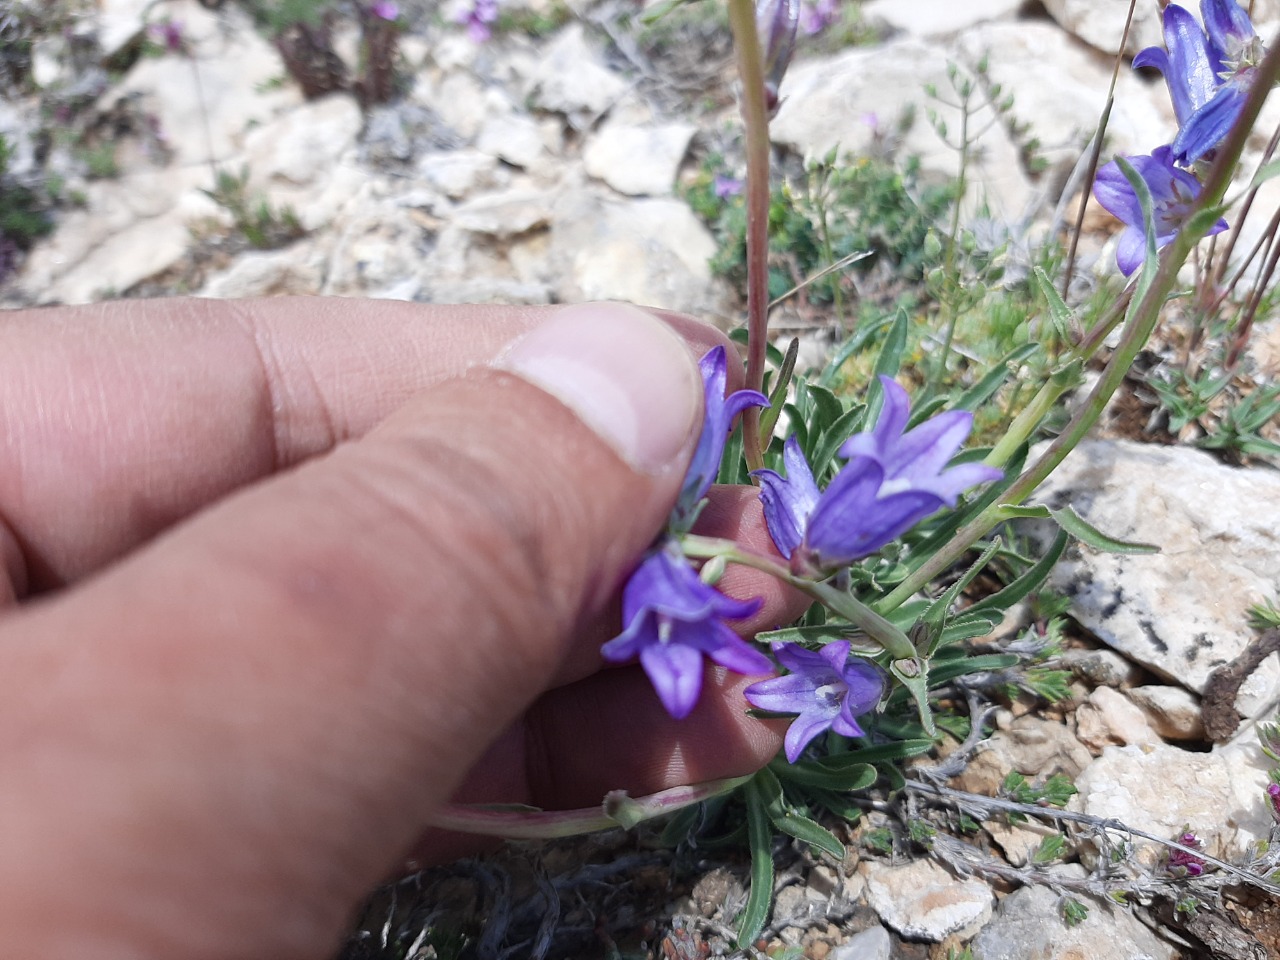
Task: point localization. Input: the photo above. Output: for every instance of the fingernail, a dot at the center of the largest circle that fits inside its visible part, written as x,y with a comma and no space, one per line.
623,372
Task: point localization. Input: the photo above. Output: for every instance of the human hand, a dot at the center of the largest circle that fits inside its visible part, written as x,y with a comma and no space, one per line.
281,574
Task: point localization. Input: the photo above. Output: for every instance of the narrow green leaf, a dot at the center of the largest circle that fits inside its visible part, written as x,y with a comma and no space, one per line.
1059,312
810,832
811,774
835,436
760,897
986,388
914,676
778,395
827,409
937,610
950,669
889,362
835,803
1151,261
1002,600
1079,528
867,331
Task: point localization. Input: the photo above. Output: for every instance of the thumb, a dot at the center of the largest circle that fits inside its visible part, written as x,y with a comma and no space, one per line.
254,716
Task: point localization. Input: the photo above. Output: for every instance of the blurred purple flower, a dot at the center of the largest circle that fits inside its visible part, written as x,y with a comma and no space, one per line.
1185,864
719,413
828,690
478,19
169,33
816,17
726,187
386,10
1173,194
1273,796
671,620
894,478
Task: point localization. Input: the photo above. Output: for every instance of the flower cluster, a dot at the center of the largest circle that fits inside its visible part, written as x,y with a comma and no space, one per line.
1208,70
1183,864
670,617
893,479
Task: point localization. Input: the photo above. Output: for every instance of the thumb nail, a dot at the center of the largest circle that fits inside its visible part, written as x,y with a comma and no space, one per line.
623,372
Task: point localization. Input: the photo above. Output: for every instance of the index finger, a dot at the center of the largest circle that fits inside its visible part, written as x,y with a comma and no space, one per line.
122,418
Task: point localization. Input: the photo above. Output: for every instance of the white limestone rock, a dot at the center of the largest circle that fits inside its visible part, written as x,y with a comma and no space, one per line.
207,103
1100,23
922,901
512,137
460,173
293,271
1181,612
638,160
1059,89
936,18
1108,717
1029,924
301,147
874,943
1174,712
646,251
506,214
571,78
837,102
1163,789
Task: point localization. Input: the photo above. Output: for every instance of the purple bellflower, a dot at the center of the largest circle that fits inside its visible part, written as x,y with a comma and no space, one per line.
894,478
719,413
1208,73
1173,194
776,24
479,18
827,688
726,187
671,619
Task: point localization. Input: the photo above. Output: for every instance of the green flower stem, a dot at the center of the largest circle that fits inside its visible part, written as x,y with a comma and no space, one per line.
618,810
1032,415
896,643
1143,316
755,120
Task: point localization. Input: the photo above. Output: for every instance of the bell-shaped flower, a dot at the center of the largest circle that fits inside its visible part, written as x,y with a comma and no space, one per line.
1173,195
671,620
719,413
894,479
776,24
1189,67
1208,73
827,688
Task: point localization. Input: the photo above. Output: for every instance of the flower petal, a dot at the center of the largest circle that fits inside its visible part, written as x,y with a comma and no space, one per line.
794,693
734,653
1207,127
788,502
676,674
804,728
799,660
1131,250
1116,195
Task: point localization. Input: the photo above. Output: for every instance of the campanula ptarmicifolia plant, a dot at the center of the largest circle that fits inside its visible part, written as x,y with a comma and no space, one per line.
876,507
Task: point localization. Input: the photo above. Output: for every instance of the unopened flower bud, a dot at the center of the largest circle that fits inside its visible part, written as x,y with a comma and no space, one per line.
776,23
1273,794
